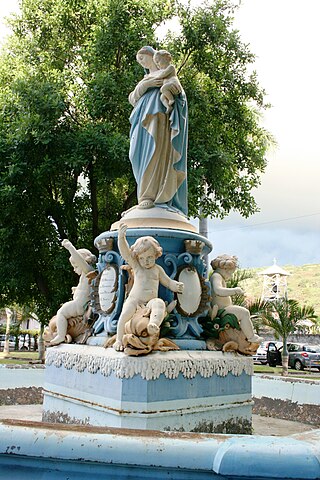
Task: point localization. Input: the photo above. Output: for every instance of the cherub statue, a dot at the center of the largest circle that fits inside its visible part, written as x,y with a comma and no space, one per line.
223,268
78,329
147,275
168,73
137,340
82,261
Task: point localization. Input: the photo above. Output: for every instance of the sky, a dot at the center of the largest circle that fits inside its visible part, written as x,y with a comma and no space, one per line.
285,37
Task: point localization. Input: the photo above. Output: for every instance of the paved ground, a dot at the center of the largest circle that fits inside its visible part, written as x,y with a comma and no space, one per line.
275,426
21,412
261,425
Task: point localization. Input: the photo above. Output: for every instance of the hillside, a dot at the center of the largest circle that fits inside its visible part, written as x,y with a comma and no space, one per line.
303,284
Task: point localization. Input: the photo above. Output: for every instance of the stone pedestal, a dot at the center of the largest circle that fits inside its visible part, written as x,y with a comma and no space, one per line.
181,390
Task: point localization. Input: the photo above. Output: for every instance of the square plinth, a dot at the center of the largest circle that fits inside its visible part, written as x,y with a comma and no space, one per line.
197,391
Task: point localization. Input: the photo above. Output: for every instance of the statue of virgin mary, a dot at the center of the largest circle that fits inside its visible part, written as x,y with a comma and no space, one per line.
158,137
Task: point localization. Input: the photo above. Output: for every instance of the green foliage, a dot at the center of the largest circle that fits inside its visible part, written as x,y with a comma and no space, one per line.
212,328
228,154
257,308
283,315
303,284
32,333
65,76
3,329
238,277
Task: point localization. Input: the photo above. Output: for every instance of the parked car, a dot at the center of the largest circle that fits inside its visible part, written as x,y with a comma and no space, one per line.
300,356
261,355
304,356
11,341
274,356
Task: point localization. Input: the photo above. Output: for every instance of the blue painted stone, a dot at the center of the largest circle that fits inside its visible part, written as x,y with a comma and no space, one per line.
179,390
190,344
33,451
174,259
138,389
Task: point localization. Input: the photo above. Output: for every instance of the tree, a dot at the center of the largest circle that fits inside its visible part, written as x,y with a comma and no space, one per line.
283,315
226,144
256,306
65,76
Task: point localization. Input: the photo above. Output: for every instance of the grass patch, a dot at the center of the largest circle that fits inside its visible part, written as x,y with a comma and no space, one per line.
267,369
303,284
313,374
18,358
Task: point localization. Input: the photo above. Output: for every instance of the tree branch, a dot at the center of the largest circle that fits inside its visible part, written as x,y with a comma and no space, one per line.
184,61
129,201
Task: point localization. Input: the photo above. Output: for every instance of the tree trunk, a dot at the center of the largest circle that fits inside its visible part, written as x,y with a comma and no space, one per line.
203,227
130,200
41,345
203,230
42,285
94,201
6,342
285,358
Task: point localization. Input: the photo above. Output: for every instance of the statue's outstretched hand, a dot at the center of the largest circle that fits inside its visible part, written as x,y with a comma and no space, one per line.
238,291
66,244
179,287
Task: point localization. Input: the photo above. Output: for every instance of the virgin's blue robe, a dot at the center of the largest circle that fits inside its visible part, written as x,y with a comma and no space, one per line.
155,134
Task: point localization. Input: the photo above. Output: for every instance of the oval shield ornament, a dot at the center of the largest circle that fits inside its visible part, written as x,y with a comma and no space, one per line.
107,288
189,301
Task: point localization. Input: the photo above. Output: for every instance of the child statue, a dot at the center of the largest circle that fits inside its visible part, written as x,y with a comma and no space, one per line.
168,73
223,268
141,257
83,262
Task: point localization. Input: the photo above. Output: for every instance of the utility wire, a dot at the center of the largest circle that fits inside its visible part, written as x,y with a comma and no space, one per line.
264,223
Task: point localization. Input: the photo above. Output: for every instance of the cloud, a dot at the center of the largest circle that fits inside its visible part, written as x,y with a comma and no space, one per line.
258,248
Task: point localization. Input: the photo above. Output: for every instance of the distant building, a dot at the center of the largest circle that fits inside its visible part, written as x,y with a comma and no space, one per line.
30,324
274,282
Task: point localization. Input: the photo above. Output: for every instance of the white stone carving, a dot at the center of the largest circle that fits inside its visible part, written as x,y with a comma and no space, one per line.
171,364
147,275
224,267
107,288
190,299
158,135
83,262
